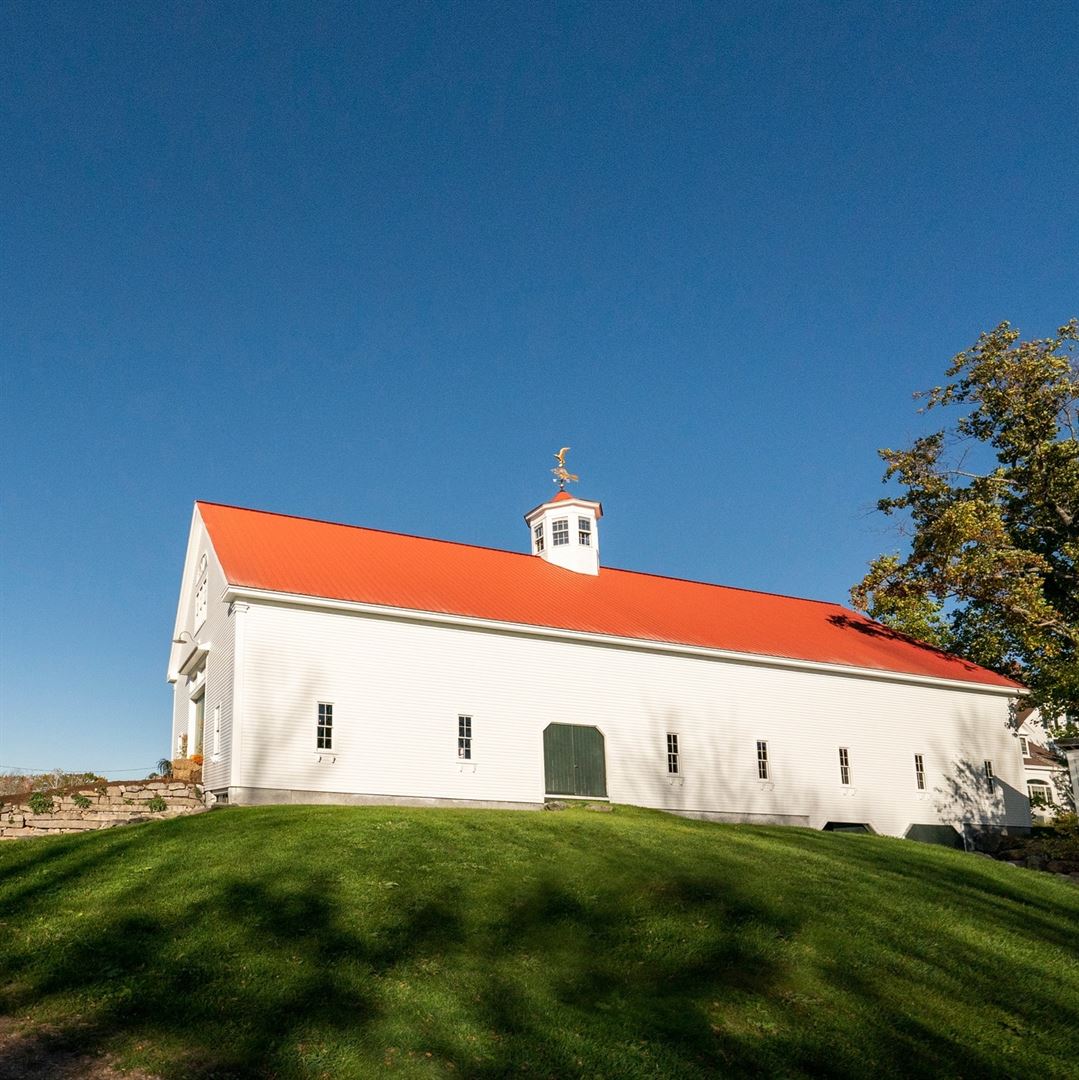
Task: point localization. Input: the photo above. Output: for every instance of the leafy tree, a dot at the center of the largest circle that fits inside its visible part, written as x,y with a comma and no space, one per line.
993,567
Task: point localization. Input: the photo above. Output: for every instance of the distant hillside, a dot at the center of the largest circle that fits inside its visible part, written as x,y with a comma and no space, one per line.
351,942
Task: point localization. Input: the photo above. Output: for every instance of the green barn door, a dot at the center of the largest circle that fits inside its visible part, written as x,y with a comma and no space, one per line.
573,760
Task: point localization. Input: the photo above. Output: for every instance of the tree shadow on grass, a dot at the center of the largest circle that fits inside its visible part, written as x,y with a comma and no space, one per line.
625,960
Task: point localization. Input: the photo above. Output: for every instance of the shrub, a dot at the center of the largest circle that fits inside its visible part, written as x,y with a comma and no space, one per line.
40,803
81,801
164,767
157,804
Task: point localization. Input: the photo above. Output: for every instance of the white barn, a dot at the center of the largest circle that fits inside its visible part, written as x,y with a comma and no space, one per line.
320,662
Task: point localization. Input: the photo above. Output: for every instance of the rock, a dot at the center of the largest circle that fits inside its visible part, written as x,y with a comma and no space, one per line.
599,807
554,804
1059,866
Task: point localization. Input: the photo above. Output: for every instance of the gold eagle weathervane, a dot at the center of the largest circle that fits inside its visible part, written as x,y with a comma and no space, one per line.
562,476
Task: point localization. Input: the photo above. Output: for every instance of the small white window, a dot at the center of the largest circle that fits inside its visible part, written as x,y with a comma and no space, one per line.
762,760
464,737
324,730
537,532
217,732
584,531
672,753
1041,794
919,771
844,765
1024,745
987,768
560,532
200,602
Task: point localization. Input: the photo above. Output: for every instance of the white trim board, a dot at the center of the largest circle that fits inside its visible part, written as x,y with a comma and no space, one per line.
236,592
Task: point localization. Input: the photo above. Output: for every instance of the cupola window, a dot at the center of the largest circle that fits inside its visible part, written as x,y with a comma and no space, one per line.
560,532
584,531
537,532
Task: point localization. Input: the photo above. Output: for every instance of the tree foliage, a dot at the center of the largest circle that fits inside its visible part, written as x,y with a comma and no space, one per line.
992,572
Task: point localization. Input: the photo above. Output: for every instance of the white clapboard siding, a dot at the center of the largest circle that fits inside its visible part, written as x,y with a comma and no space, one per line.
217,630
398,686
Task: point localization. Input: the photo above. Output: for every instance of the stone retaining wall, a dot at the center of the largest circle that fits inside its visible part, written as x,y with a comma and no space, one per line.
110,804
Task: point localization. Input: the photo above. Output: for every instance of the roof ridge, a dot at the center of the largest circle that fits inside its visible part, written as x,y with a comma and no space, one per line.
523,554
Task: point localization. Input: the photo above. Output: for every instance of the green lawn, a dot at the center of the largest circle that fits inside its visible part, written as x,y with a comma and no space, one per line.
341,942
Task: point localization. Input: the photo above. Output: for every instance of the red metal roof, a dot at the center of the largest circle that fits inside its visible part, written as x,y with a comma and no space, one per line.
286,554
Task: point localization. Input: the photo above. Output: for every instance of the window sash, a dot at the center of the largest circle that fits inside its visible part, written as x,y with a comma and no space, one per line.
324,728
919,771
464,737
584,531
987,768
844,766
762,759
672,753
1024,746
537,532
200,601
560,532
1040,791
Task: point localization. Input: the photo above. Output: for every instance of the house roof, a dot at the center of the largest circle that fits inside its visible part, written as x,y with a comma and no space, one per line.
1039,756
279,553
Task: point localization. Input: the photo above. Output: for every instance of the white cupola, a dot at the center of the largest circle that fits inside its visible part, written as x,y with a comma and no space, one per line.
565,532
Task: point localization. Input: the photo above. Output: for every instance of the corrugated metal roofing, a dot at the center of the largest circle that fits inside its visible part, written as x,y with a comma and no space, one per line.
276,552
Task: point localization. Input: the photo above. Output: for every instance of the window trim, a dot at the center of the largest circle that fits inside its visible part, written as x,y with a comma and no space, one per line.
763,770
674,758
1046,787
202,602
538,536
464,737
560,536
1024,745
846,774
919,771
990,777
584,531
216,756
324,728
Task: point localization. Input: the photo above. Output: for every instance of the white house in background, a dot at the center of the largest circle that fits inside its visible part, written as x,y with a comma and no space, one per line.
1046,771
319,662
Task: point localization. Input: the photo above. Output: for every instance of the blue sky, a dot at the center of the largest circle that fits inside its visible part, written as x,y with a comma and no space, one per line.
375,263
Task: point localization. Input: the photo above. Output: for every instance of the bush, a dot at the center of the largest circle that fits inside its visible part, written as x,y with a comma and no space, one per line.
157,804
81,801
164,767
40,803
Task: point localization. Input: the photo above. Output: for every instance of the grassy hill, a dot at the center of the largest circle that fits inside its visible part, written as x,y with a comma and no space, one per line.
342,942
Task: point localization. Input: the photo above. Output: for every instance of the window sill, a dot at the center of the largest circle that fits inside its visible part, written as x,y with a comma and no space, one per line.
325,757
